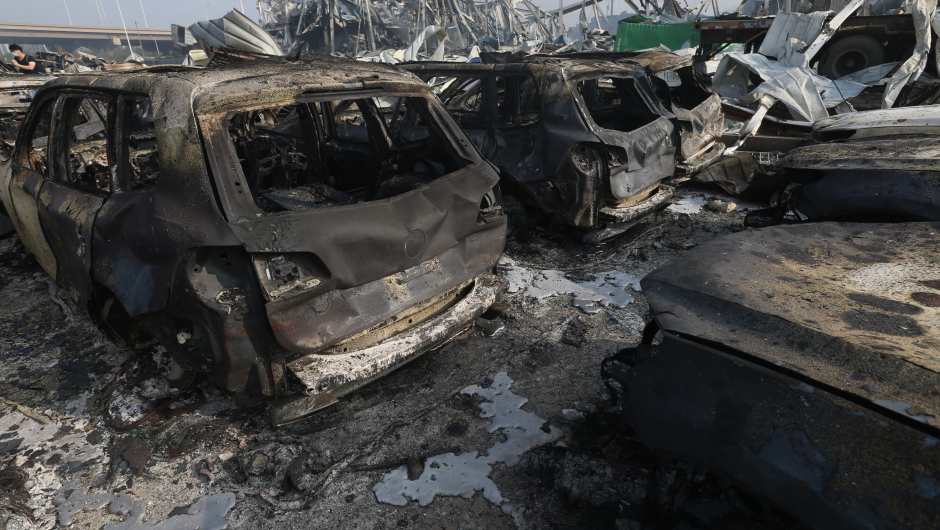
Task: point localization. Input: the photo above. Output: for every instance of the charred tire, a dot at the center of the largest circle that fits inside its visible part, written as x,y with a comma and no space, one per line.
851,54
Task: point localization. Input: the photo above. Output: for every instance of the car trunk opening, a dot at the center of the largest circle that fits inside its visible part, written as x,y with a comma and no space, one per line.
330,153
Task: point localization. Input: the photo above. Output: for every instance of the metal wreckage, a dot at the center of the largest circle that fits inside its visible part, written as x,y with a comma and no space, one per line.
310,224
340,218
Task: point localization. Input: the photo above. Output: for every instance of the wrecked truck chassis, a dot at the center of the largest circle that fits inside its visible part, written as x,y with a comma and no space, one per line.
813,383
573,153
241,293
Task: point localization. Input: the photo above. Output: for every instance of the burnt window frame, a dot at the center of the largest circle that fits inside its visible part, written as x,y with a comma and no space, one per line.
67,111
655,110
20,155
123,183
222,160
514,91
487,93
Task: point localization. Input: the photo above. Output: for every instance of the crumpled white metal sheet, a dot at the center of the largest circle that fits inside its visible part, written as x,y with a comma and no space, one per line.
790,33
234,30
923,13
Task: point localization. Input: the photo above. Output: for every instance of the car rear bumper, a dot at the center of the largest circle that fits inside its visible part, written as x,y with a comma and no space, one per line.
657,201
338,373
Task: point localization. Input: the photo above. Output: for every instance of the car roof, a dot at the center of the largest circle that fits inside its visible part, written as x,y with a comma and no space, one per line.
209,88
573,65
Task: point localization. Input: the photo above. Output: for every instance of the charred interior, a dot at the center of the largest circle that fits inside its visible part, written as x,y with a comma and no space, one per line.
614,103
315,154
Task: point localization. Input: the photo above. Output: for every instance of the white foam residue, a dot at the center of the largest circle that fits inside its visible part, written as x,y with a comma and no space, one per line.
603,289
207,513
688,205
463,475
519,278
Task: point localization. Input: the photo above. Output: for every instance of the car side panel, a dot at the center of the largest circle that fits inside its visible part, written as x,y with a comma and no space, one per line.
67,217
24,191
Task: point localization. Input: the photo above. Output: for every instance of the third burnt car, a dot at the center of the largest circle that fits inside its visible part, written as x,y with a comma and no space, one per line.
587,138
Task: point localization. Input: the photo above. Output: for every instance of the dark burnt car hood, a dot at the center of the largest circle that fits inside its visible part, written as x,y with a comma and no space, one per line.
802,361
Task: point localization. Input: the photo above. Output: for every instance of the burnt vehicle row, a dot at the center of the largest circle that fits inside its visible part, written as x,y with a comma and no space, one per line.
291,228
587,138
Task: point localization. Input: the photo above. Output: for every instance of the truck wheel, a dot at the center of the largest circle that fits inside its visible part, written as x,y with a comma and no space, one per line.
851,54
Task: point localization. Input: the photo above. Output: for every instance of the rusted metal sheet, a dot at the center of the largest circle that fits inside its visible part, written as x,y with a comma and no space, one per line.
801,361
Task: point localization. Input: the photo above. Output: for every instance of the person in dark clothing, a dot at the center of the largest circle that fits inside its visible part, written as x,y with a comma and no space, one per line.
24,63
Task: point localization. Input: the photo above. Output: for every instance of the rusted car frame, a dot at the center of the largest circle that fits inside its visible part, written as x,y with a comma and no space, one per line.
306,226
586,138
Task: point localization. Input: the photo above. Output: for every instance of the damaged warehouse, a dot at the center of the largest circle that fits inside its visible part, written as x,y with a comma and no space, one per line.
459,264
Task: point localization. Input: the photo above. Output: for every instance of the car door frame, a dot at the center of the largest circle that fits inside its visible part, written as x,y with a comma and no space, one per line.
25,183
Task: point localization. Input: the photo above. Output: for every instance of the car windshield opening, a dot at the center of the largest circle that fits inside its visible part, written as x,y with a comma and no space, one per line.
330,153
616,103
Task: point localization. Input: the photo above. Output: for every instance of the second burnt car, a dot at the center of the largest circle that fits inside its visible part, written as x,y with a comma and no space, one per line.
287,227
587,138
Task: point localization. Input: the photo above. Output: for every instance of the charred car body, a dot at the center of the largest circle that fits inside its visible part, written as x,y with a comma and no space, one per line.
282,227
871,166
804,362
588,138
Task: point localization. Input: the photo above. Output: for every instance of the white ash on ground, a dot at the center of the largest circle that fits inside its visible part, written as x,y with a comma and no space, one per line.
204,443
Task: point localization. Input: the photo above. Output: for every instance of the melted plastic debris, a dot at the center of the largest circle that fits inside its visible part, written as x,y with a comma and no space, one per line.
491,328
590,292
207,513
463,475
688,205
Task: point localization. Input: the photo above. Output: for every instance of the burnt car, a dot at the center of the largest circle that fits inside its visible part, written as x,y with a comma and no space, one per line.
890,178
802,361
587,138
288,227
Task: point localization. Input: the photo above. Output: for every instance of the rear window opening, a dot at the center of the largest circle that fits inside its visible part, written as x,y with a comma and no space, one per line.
615,103
330,153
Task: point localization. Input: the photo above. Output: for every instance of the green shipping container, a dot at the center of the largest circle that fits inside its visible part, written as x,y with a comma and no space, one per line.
632,36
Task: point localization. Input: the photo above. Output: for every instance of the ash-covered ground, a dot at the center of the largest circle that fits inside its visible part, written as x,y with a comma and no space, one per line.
514,430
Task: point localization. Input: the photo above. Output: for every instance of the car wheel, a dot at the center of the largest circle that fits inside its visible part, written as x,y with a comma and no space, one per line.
851,54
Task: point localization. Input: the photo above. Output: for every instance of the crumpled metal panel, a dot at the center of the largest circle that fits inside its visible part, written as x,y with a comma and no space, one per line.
314,323
700,126
651,156
324,372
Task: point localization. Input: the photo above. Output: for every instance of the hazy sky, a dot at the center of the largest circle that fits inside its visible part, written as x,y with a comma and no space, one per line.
162,13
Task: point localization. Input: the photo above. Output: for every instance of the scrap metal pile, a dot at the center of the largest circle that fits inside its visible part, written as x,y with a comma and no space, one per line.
413,28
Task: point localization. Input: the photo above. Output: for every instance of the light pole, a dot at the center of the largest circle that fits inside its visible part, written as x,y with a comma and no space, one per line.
129,45
207,11
146,24
138,39
67,11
